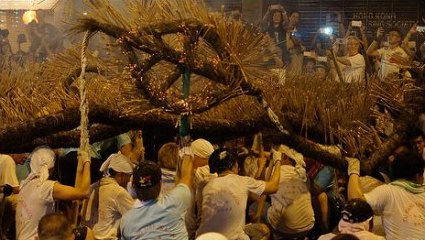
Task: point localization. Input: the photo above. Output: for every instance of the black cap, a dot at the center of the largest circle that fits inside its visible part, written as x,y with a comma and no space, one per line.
356,210
146,175
222,159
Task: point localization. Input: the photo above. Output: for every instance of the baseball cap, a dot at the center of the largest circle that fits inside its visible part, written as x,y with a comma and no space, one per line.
146,175
356,211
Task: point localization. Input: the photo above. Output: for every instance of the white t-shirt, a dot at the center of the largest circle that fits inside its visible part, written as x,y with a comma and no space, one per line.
8,171
224,202
291,210
356,72
114,201
34,201
193,215
403,213
388,62
362,235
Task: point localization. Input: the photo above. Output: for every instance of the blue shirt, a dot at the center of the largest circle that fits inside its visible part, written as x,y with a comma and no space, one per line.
162,218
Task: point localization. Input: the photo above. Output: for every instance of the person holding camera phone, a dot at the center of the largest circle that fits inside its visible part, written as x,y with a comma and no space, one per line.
392,57
353,64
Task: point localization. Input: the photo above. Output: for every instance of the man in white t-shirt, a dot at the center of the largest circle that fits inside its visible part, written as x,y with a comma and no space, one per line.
392,57
401,202
224,198
155,216
109,200
202,150
353,64
291,212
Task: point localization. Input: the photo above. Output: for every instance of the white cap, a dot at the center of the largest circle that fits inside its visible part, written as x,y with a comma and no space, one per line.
211,236
202,148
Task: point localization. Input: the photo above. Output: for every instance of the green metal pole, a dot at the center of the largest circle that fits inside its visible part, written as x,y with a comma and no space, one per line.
184,120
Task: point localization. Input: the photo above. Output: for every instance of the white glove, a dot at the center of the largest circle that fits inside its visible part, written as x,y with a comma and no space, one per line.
353,166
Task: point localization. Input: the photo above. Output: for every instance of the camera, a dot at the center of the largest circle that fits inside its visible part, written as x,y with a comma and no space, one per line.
420,28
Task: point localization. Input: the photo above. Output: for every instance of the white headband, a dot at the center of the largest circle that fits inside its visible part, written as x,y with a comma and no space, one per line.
118,162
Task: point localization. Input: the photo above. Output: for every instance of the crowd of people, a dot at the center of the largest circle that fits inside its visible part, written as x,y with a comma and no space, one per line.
233,190
339,53
197,190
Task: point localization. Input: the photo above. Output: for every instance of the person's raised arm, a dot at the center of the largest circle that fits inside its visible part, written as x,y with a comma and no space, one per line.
405,42
64,192
364,36
341,28
372,50
186,170
354,189
273,184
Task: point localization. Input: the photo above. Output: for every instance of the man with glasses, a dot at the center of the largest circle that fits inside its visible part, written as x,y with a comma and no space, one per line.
392,57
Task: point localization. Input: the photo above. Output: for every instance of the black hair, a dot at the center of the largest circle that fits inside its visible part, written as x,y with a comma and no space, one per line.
54,226
80,233
414,132
292,12
221,160
394,29
345,236
112,172
407,165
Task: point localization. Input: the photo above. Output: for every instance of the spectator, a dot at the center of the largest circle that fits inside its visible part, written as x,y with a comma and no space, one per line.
321,70
37,195
401,203
294,48
392,57
224,198
353,64
55,226
357,220
275,27
157,216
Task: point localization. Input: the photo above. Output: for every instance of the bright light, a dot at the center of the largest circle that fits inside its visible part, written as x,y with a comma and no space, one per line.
326,30
29,16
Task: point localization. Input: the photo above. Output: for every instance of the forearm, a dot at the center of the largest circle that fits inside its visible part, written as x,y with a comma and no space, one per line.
354,189
341,29
364,39
85,179
344,61
273,184
186,170
373,47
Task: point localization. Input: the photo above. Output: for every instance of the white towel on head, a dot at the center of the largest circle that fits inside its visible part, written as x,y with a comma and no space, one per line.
298,159
202,148
118,162
42,159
